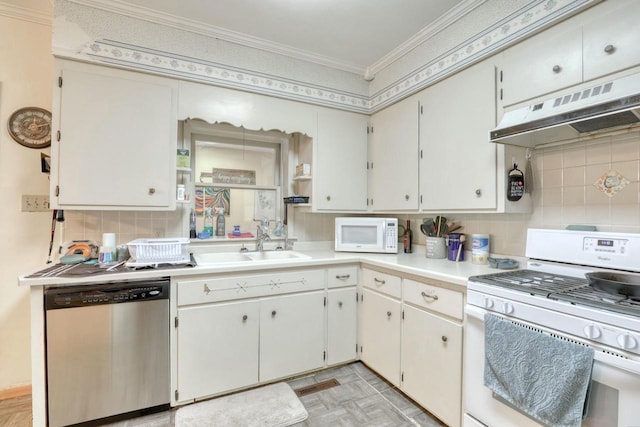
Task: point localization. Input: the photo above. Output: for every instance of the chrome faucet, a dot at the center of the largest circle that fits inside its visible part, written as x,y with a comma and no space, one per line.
262,234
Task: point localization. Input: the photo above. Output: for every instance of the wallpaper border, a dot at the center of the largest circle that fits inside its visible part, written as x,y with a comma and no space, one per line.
528,20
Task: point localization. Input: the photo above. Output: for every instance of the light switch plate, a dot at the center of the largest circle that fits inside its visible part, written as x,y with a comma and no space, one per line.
35,203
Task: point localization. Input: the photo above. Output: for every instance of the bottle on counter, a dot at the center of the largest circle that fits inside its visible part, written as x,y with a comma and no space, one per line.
278,230
192,224
408,238
208,222
220,223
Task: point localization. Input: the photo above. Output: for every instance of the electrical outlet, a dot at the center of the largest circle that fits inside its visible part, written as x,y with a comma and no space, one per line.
35,203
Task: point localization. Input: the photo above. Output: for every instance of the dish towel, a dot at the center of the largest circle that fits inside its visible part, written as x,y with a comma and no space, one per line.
545,377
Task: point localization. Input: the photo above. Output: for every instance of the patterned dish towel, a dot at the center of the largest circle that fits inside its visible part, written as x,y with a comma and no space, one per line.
545,377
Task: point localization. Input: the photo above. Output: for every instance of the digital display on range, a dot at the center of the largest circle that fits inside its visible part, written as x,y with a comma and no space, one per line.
607,243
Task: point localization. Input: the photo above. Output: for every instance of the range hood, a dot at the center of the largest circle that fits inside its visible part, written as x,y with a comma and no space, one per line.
565,117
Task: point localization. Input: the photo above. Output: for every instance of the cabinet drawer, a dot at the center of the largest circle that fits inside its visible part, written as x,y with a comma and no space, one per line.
382,282
214,289
438,299
342,276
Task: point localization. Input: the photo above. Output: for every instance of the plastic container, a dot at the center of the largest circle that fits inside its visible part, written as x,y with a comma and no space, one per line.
208,222
159,250
479,248
278,230
180,195
456,246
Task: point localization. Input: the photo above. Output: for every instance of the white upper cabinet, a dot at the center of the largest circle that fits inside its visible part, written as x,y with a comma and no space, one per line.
458,164
118,138
611,39
340,175
600,41
542,64
393,157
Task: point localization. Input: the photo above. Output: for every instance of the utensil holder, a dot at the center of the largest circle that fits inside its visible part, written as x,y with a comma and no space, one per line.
435,247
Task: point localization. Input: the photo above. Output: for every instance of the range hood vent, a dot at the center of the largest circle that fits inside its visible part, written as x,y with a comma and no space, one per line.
589,110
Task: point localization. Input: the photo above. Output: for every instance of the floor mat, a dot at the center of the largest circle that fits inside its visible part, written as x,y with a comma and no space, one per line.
275,405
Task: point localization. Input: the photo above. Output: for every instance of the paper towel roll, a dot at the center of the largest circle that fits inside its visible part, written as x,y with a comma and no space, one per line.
109,240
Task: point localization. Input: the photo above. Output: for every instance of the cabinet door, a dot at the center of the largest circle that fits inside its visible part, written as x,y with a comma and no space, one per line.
291,335
217,348
458,164
341,169
381,335
544,63
432,363
118,140
611,39
393,157
341,325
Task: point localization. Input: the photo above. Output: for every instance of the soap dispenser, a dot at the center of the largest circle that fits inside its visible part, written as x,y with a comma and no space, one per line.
220,222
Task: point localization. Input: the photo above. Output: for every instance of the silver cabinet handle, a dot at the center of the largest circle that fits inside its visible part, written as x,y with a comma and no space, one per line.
609,48
343,277
273,313
244,318
382,282
152,191
444,338
478,192
388,314
556,69
340,304
426,295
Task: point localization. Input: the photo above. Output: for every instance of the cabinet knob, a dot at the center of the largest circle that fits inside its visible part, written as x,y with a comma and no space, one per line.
328,198
406,197
556,69
273,313
478,192
340,304
152,191
609,48
444,338
388,314
244,318
426,295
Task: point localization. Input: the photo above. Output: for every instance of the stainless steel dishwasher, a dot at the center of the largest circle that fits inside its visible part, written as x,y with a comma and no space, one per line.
107,350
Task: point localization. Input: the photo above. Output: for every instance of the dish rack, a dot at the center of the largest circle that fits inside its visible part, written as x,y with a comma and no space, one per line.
159,251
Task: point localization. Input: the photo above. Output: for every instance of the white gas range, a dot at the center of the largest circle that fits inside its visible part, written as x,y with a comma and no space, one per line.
553,297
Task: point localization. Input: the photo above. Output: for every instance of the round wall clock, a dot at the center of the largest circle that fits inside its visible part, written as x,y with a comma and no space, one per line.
31,127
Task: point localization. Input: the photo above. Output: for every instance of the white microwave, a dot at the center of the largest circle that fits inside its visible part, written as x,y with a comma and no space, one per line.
358,234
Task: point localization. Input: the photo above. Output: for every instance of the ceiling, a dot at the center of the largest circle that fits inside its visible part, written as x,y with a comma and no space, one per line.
360,36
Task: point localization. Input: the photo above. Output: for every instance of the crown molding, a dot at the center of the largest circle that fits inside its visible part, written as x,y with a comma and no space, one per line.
123,8
26,14
424,35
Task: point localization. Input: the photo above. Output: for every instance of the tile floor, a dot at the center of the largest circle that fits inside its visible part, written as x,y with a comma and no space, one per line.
363,399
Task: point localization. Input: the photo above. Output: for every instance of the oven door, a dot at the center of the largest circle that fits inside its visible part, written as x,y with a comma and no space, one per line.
615,388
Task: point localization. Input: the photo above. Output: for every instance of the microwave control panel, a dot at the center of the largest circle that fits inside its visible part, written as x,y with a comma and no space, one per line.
391,236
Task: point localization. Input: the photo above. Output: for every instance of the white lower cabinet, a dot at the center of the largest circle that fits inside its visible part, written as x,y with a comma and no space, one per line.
342,325
291,334
432,363
204,368
380,348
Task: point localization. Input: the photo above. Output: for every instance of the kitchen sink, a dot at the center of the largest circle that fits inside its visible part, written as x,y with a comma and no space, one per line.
276,255
220,257
242,257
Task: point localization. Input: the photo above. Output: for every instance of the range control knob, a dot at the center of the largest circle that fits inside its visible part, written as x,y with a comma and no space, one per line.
487,302
507,307
592,332
627,341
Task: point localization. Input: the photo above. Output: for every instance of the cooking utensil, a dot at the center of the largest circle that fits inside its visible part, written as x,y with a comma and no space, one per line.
428,227
615,283
440,222
53,232
462,239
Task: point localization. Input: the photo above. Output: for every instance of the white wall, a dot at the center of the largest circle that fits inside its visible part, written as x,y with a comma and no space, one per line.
26,69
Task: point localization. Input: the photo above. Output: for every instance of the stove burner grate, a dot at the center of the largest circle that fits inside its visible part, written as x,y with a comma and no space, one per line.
531,281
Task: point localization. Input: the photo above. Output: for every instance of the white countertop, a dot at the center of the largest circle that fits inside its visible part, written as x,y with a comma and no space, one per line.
415,263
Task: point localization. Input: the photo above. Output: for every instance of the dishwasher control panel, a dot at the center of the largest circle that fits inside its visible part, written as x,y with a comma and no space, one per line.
111,293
